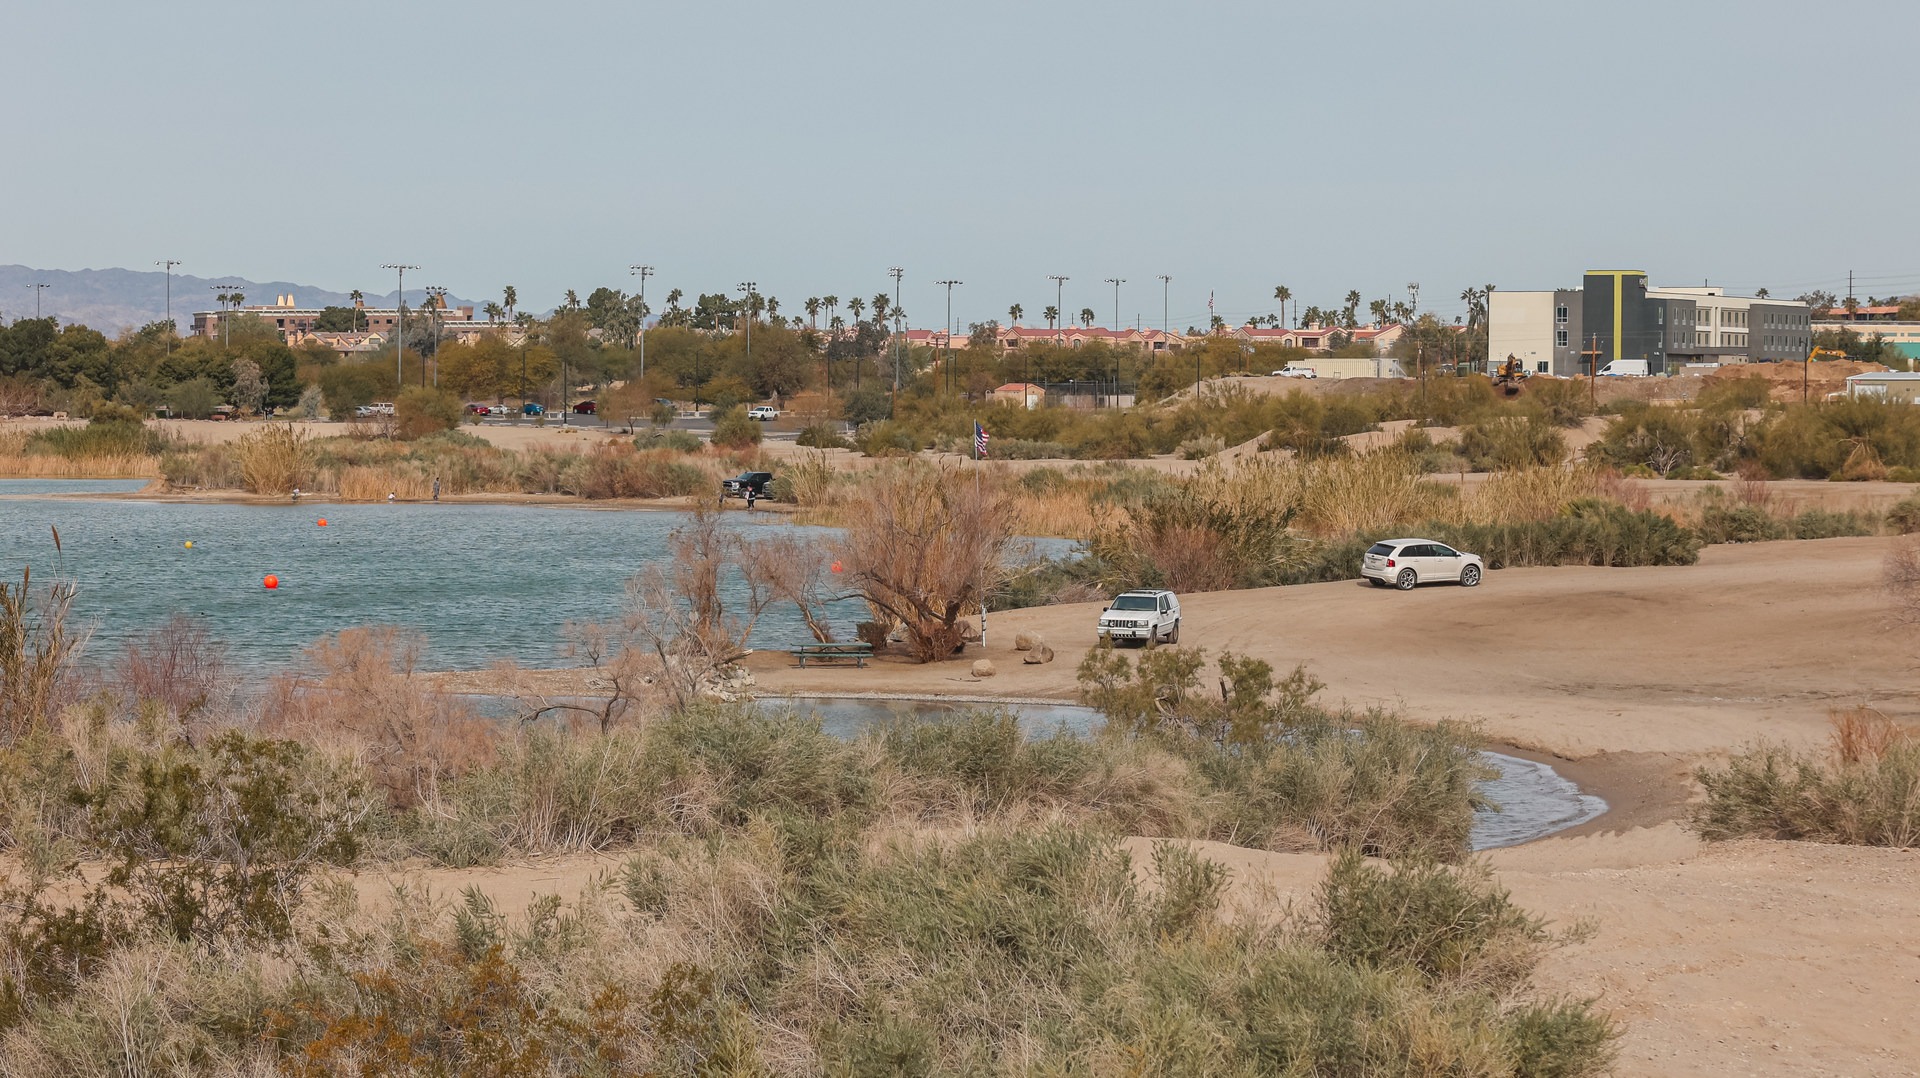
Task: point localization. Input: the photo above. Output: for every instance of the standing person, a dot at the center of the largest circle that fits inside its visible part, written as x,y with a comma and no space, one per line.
436,488
752,493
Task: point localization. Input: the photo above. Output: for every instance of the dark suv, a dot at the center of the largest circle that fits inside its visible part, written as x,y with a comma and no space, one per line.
739,485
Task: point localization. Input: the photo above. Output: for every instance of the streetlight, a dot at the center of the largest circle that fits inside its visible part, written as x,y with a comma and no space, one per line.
642,272
950,379
436,305
898,343
399,319
37,289
1116,282
169,263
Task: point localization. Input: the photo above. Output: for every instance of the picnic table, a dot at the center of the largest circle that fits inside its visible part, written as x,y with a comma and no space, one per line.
857,651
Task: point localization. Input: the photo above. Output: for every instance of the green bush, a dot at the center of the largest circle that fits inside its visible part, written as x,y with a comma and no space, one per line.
422,410
1825,524
114,434
1508,442
1723,523
1770,791
822,436
733,430
1904,517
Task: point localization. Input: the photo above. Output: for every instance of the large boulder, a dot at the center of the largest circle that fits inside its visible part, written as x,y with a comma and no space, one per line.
1041,653
1025,641
983,668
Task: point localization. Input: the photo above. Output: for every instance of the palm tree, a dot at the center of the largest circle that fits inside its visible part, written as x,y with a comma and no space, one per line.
359,299
493,311
509,297
1378,308
1053,315
881,305
1086,317
1353,306
856,305
573,300
1014,312
832,304
1283,294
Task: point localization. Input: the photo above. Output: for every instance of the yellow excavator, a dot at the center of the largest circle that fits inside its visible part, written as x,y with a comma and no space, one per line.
1806,368
1509,376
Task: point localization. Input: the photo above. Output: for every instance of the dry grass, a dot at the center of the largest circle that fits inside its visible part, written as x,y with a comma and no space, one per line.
1865,735
372,483
17,463
275,459
1528,494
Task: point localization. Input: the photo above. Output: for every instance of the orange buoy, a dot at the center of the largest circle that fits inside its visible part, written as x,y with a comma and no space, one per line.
271,582
322,522
836,567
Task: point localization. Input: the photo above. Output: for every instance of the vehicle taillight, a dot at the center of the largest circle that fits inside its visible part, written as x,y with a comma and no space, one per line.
1389,563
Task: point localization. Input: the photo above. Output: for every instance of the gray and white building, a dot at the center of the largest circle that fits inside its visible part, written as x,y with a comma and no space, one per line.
1615,315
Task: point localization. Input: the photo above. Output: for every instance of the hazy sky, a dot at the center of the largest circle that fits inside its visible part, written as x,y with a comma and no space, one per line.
1234,146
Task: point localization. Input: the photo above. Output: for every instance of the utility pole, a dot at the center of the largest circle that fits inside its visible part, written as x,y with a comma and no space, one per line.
1116,282
1413,300
642,272
169,263
950,284
1059,314
37,289
400,321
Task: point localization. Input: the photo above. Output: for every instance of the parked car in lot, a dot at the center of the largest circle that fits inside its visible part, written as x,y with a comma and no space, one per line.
765,413
739,485
1405,563
499,409
530,408
1142,615
586,408
478,409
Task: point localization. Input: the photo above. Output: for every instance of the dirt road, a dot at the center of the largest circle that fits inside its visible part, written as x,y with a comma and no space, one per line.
1755,641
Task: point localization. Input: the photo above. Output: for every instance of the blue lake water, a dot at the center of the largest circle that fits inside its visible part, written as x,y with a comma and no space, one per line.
482,582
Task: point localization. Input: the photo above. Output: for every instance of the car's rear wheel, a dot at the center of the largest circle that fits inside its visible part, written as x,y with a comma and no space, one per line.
1406,580
1173,637
1470,576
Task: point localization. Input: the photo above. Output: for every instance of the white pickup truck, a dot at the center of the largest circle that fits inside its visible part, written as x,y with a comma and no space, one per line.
1146,616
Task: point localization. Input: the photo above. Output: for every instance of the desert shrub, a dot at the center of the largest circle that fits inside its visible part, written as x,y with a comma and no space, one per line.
1444,925
1023,449
1852,438
1864,791
1723,523
615,471
1903,474
422,410
195,398
888,438
1904,517
1589,532
1828,524
733,430
114,433
1523,441
1654,437
1202,446
822,436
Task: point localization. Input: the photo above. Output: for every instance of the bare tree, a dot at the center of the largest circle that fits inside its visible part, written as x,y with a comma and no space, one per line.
178,668
678,609
925,546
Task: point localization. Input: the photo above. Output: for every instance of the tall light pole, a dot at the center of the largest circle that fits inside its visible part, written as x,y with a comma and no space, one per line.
225,317
949,284
436,306
642,272
1166,289
748,287
1116,282
399,320
169,263
1059,312
899,345
37,289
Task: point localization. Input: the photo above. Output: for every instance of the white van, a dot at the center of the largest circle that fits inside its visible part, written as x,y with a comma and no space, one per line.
1625,368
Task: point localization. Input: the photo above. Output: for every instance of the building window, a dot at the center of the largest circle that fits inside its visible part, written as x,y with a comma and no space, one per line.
1560,315
1560,339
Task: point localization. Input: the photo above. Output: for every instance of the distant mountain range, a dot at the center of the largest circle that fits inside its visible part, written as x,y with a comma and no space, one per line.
110,300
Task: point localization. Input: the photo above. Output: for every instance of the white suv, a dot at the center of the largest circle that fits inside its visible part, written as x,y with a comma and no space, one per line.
1407,562
1142,615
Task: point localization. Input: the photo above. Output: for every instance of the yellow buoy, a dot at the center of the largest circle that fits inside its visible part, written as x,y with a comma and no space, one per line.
189,544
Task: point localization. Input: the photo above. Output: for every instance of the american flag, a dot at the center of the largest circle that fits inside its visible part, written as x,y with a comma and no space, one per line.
979,442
